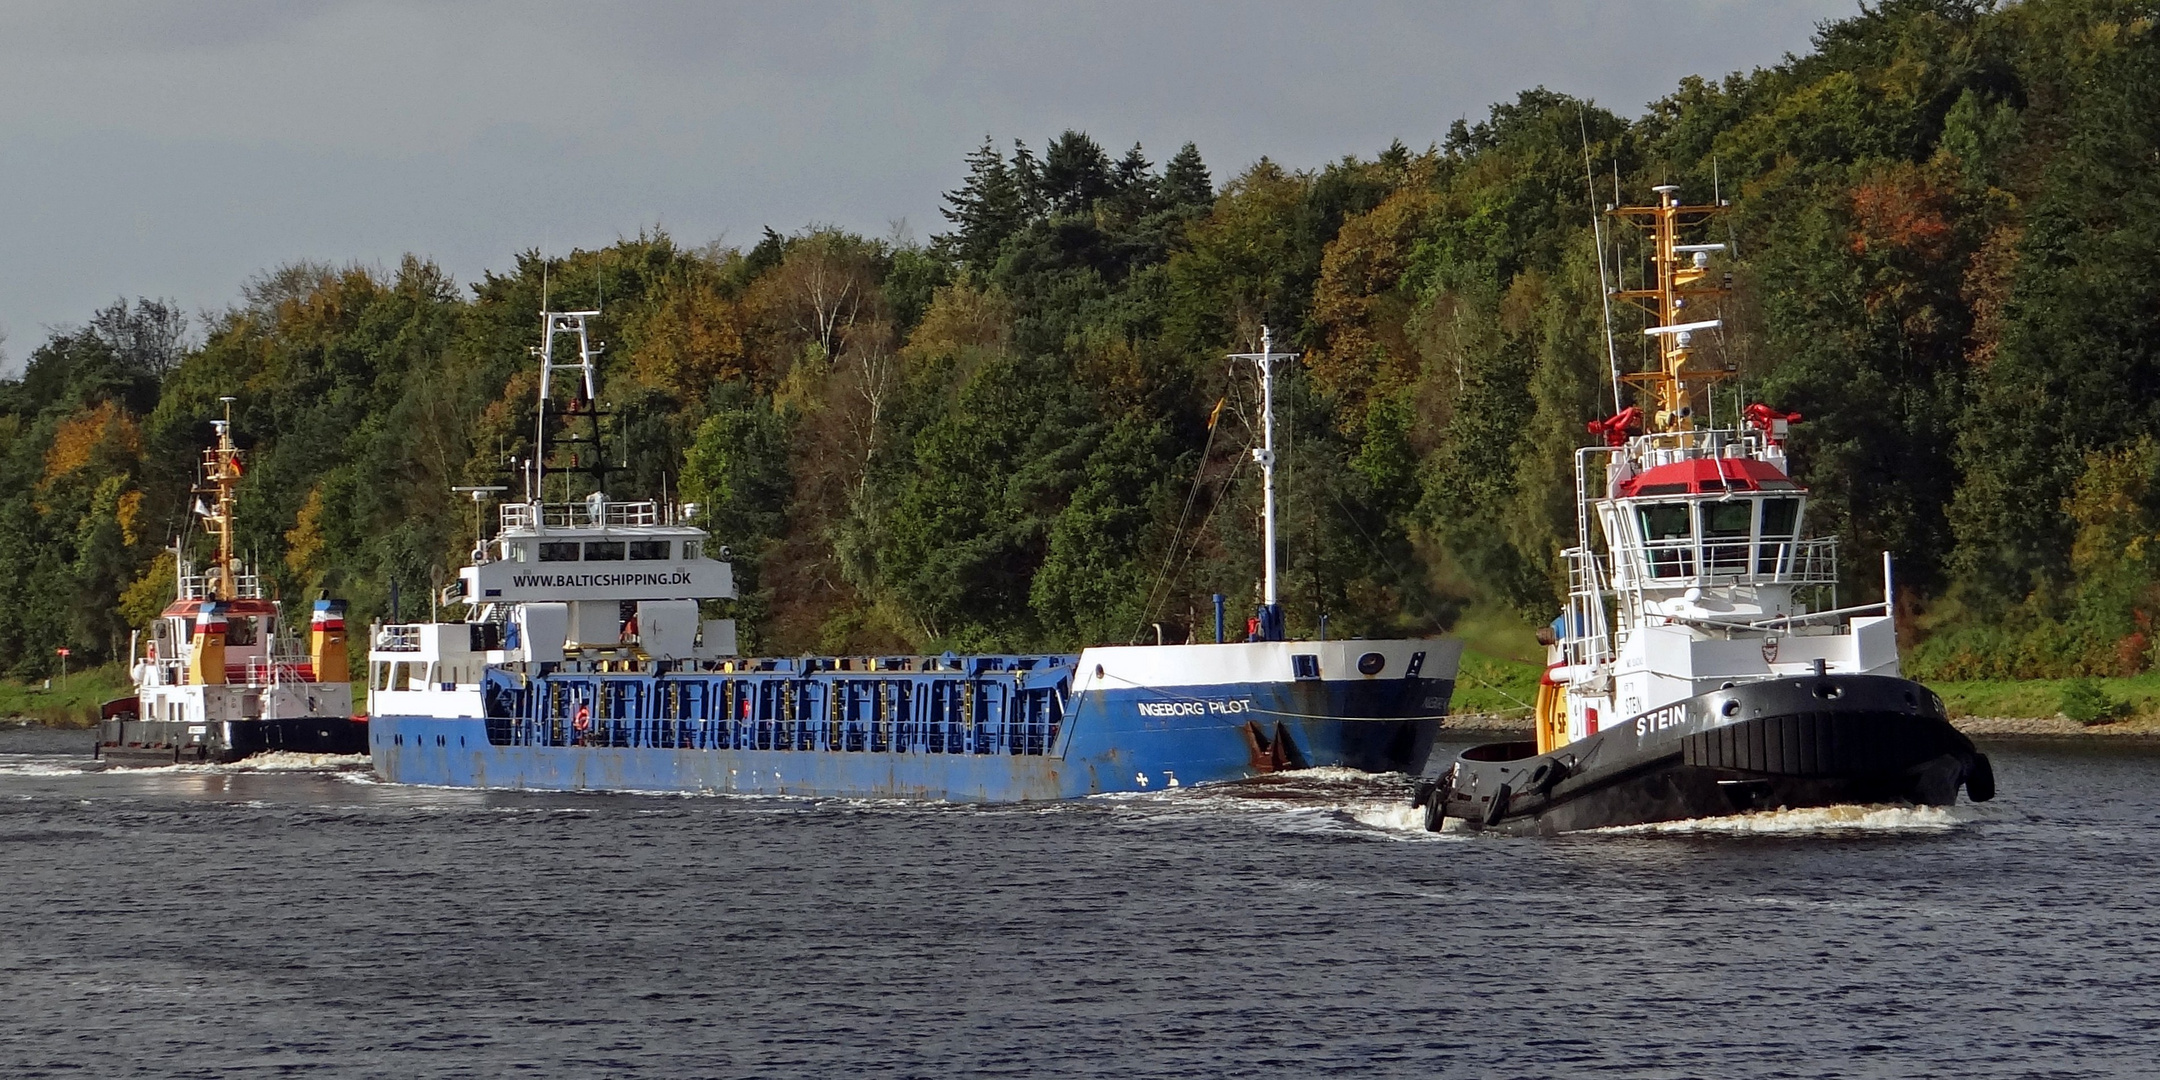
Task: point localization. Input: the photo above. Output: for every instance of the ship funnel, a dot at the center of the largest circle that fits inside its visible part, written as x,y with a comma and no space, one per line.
326,642
206,654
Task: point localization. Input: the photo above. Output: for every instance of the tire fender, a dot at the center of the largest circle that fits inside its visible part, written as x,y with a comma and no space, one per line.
1980,778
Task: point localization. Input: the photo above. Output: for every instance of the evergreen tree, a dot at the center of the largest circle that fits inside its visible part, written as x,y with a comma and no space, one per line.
1185,183
988,208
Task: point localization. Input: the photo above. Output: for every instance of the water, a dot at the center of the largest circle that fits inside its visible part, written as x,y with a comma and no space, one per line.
300,919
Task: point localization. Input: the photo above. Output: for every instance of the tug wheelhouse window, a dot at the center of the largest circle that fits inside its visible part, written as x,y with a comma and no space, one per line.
1668,539
1780,521
559,551
1726,527
603,550
649,550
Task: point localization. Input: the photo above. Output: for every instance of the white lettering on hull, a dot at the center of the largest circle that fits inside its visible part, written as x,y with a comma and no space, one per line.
1658,720
1195,708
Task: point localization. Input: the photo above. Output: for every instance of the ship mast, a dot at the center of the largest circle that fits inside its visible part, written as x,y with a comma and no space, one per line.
583,394
1270,615
1680,271
221,474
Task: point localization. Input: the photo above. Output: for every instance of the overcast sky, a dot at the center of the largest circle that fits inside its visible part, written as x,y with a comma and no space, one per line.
175,150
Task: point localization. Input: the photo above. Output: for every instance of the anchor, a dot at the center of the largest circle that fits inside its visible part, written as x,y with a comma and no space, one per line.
1272,754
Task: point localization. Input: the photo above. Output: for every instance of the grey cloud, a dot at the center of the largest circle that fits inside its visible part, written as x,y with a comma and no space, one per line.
177,149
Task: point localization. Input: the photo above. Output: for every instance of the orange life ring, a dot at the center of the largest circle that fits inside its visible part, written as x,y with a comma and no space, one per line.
583,721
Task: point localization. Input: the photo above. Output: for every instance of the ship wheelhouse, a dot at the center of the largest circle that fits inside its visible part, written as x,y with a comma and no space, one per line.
1711,521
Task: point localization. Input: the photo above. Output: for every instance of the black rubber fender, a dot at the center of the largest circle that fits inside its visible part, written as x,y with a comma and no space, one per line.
1498,809
1435,812
1546,775
1980,778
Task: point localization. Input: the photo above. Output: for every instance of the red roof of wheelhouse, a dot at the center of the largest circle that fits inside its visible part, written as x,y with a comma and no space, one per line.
1708,476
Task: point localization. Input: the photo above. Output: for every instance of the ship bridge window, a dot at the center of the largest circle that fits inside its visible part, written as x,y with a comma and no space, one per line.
1780,518
1726,527
649,550
693,549
559,551
240,630
1668,539
1780,522
603,550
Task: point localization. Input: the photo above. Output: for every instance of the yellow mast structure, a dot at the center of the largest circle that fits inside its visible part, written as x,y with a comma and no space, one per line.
221,474
1680,272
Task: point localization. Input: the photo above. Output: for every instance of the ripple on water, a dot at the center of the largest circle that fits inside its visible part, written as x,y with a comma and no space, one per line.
1301,924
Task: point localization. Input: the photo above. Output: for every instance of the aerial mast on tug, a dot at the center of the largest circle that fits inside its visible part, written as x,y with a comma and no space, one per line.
1680,269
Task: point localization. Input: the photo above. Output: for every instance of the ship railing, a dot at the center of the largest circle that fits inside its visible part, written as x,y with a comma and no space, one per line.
247,586
162,672
829,715
581,515
1586,641
1738,561
279,669
1667,447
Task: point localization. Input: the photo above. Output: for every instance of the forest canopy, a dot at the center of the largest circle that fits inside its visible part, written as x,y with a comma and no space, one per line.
1025,433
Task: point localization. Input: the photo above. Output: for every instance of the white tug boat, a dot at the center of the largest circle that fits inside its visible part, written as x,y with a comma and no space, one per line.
1703,666
219,678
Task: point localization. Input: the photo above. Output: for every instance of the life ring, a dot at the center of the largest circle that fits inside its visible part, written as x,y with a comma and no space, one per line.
582,722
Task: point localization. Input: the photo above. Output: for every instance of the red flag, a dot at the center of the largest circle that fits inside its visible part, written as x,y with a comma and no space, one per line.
232,465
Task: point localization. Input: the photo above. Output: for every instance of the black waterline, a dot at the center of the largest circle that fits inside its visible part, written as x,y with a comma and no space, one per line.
226,922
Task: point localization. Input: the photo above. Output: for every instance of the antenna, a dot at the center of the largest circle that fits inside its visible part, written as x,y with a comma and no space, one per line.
479,495
1270,607
1597,236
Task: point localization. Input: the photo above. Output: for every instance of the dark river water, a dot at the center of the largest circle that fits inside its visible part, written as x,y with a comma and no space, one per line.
302,919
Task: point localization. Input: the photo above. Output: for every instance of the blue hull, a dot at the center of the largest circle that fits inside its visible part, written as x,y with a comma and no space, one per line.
1009,740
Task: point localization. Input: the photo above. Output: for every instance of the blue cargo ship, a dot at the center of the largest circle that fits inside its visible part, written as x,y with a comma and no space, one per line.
585,664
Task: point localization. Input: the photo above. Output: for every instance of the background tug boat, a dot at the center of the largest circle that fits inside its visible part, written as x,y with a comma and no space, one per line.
219,678
584,663
1688,676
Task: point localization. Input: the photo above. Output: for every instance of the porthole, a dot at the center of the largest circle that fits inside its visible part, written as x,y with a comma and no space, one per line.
1371,663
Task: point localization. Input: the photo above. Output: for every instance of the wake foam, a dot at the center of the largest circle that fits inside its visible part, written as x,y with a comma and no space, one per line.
289,761
42,765
1810,821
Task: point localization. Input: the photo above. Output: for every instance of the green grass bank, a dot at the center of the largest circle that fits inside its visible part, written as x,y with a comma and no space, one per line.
69,702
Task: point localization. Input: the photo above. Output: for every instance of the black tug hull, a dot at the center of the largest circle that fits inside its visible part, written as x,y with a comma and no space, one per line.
1779,744
124,741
